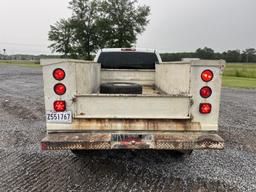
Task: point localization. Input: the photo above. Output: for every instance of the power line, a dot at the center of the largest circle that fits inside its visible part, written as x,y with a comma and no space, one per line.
22,44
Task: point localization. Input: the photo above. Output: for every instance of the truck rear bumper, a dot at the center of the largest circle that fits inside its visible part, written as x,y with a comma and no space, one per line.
107,141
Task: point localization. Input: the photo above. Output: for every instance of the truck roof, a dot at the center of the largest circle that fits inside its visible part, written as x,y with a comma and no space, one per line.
138,50
144,50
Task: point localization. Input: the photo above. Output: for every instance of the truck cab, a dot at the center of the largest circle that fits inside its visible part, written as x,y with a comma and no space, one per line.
129,99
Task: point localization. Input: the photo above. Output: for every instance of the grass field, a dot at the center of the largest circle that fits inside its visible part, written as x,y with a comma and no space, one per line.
239,82
240,70
23,63
240,75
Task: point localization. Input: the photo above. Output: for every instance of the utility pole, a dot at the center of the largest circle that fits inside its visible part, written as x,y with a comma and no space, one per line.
4,50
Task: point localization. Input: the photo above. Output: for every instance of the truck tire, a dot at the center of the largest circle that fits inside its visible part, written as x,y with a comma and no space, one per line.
184,153
78,152
120,88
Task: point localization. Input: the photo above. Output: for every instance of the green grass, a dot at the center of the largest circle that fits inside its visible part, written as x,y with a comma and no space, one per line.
239,82
240,70
240,75
23,63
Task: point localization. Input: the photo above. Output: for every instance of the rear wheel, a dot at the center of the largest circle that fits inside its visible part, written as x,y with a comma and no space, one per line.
183,153
78,153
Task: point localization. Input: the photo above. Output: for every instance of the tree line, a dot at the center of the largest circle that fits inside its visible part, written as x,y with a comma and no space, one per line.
236,56
96,24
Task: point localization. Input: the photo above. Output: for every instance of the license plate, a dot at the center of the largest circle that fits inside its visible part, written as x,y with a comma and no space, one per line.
131,137
59,117
132,141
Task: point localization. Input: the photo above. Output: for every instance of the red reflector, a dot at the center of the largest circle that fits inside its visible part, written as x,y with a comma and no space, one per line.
207,75
128,49
206,92
43,146
205,108
60,89
59,106
59,74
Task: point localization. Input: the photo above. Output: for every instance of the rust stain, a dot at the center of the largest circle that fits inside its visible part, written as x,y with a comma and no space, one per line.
135,125
211,141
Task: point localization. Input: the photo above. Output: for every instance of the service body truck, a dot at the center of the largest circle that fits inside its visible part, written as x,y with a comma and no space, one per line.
130,99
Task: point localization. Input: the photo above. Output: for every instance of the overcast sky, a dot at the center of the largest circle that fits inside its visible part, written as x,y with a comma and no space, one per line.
176,25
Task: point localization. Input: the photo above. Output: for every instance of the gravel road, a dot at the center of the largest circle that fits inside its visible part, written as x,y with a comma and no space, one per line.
23,167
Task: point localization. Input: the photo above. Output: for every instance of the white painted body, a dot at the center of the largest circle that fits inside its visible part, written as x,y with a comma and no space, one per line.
171,92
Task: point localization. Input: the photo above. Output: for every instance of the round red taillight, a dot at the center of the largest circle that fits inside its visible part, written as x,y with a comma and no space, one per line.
59,106
59,74
205,108
60,89
206,92
207,75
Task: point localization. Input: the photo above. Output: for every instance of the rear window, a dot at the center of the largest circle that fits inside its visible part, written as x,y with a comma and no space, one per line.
127,60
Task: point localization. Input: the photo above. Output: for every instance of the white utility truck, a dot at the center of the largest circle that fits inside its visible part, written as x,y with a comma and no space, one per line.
130,99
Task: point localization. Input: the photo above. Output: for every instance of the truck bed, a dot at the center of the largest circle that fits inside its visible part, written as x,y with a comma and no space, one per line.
152,90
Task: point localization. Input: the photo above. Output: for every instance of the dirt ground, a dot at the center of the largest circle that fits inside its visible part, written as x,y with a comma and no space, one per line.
23,167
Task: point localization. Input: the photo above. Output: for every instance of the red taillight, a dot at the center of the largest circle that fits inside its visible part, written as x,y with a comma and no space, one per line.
59,106
206,92
59,74
60,89
205,108
207,75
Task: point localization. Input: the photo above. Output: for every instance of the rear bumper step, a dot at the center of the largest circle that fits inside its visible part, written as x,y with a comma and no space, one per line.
107,141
